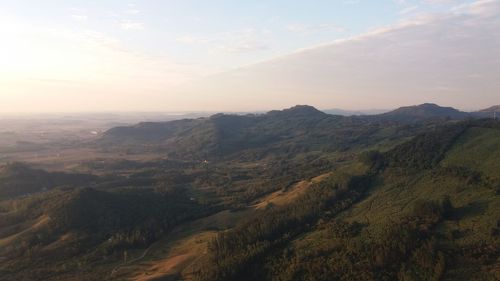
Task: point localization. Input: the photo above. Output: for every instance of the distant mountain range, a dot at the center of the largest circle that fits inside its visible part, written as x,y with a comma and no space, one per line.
339,111
493,111
426,110
495,108
298,127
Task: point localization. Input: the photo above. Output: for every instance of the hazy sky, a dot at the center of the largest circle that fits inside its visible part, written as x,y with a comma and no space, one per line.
181,55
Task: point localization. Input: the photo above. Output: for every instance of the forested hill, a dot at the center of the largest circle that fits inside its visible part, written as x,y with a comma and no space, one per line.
421,211
300,128
422,112
488,112
296,195
18,179
297,128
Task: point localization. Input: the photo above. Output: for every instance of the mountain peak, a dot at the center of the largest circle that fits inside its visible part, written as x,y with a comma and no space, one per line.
495,108
299,110
424,111
429,105
426,106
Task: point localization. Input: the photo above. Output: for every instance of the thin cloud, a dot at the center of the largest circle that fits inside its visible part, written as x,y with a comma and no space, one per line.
132,9
79,17
131,25
440,1
482,8
244,41
314,28
445,58
191,39
408,10
244,46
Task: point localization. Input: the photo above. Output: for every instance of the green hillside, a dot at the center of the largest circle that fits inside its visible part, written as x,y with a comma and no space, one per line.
416,218
478,149
56,234
319,198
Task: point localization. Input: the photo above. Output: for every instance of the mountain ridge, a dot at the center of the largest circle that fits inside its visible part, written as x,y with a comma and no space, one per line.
494,108
423,111
223,134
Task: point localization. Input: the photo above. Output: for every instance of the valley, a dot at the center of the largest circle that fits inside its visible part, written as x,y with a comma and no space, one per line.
295,194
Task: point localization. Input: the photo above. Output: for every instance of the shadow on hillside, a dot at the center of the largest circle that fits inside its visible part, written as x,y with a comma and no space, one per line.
470,210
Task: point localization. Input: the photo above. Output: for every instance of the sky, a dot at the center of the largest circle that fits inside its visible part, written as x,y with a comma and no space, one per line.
221,55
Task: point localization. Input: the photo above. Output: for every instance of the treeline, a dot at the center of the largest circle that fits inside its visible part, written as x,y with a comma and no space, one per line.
426,150
106,222
406,250
411,248
257,137
234,255
259,249
19,179
131,218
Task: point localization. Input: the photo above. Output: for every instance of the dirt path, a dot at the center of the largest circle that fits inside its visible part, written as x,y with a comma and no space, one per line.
176,252
115,270
36,224
164,268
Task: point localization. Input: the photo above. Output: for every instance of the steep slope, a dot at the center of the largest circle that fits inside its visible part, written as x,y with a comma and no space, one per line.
477,149
416,212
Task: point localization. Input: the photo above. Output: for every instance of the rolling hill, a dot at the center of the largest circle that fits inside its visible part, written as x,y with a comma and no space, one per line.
488,112
17,179
418,215
301,128
495,108
295,194
422,112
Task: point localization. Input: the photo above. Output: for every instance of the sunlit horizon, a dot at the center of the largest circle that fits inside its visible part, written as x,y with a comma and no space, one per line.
190,56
